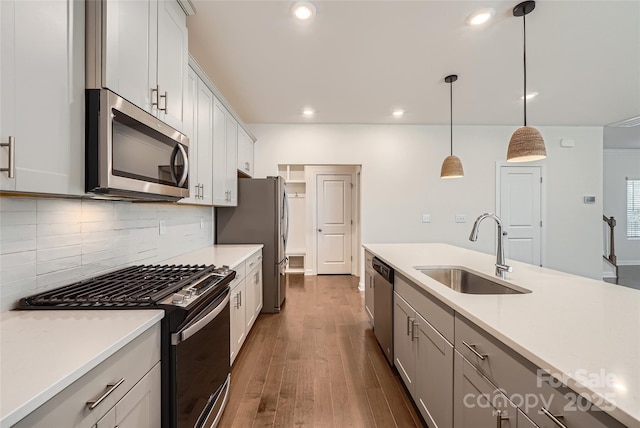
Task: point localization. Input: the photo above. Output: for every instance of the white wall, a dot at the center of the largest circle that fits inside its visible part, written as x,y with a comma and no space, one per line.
401,181
618,165
47,242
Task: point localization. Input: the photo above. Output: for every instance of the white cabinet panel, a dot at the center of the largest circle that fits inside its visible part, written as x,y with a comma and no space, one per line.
245,153
231,177
225,157
49,156
172,61
130,45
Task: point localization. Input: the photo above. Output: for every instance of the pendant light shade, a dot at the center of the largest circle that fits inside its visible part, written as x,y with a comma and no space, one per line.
452,165
526,144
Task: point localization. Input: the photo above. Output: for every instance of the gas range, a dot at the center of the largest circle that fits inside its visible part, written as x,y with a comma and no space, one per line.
141,286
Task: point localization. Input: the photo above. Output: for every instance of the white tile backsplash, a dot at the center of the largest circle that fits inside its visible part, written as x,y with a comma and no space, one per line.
49,242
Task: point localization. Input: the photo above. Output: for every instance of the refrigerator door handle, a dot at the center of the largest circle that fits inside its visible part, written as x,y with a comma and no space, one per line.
286,213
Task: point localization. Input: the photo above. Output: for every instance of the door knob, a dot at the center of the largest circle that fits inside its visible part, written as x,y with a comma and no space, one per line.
319,230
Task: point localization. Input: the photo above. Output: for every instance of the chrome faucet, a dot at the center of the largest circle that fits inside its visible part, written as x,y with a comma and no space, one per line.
501,267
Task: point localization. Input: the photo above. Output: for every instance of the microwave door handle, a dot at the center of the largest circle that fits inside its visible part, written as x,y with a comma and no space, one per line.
185,170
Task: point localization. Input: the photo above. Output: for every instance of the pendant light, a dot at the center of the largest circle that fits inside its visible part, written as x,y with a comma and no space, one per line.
526,143
452,166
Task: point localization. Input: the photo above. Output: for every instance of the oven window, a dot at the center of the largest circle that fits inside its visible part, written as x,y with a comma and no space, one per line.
201,366
142,153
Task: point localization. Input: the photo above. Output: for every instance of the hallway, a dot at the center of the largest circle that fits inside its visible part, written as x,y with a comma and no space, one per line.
317,363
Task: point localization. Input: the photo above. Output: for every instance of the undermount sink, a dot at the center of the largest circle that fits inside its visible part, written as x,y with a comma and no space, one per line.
464,281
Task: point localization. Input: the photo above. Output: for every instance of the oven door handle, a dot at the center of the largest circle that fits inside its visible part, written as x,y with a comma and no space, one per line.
192,329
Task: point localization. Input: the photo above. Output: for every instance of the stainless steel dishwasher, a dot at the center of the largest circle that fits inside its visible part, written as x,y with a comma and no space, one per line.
383,307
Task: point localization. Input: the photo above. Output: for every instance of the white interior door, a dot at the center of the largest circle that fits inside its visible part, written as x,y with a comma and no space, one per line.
334,223
520,211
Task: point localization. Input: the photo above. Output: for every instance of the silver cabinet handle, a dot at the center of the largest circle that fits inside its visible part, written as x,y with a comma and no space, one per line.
554,418
246,166
240,297
472,348
413,330
166,100
408,323
92,404
501,416
156,91
11,161
201,191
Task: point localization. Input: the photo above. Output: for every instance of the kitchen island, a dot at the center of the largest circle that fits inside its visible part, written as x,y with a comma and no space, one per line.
582,331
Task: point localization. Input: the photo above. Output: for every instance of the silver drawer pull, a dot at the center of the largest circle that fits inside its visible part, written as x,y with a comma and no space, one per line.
553,417
110,388
501,416
472,348
408,322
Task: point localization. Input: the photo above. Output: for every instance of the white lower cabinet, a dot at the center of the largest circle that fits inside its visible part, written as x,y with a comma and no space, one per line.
123,391
137,409
245,301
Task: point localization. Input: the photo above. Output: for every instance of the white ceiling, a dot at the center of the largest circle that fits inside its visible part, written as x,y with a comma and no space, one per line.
356,61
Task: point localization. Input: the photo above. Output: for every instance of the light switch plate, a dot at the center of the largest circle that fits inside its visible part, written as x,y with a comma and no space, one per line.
461,218
426,218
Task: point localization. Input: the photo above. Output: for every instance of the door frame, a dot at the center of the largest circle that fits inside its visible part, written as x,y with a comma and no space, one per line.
311,177
543,199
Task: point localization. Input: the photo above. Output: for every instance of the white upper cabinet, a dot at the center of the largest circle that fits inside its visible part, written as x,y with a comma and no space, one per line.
42,102
145,53
198,115
245,153
231,176
225,157
173,56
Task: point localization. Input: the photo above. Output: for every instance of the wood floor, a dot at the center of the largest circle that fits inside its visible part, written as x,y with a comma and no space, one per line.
316,364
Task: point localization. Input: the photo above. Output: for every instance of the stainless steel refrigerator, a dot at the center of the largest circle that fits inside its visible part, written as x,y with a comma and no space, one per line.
261,217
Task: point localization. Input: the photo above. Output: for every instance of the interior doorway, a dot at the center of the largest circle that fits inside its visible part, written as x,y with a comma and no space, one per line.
325,218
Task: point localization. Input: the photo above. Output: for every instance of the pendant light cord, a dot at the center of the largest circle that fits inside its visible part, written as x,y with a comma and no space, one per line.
451,115
524,28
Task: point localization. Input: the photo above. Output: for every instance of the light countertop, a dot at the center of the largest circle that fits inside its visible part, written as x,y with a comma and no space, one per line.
579,328
230,255
43,352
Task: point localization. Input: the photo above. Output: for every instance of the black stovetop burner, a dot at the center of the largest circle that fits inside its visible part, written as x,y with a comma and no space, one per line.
136,286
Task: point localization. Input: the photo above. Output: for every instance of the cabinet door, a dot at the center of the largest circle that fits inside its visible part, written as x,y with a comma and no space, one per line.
245,153
477,403
250,300
190,130
204,132
368,293
172,62
258,290
219,170
434,375
140,407
231,185
403,342
238,326
130,44
49,156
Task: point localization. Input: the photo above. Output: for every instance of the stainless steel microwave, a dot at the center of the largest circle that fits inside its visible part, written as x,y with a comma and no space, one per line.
130,154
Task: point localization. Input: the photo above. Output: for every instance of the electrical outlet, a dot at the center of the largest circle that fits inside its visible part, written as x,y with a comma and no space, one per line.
426,218
461,218
162,227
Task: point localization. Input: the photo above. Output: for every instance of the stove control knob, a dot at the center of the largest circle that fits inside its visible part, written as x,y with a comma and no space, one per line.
188,293
178,298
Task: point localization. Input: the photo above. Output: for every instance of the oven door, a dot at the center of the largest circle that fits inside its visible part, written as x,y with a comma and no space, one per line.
201,366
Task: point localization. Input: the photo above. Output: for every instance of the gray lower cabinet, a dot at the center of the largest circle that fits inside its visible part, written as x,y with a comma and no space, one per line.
478,403
369,274
424,359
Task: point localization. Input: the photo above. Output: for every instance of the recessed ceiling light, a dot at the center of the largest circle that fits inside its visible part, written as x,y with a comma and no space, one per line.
481,16
308,112
303,10
398,113
530,95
